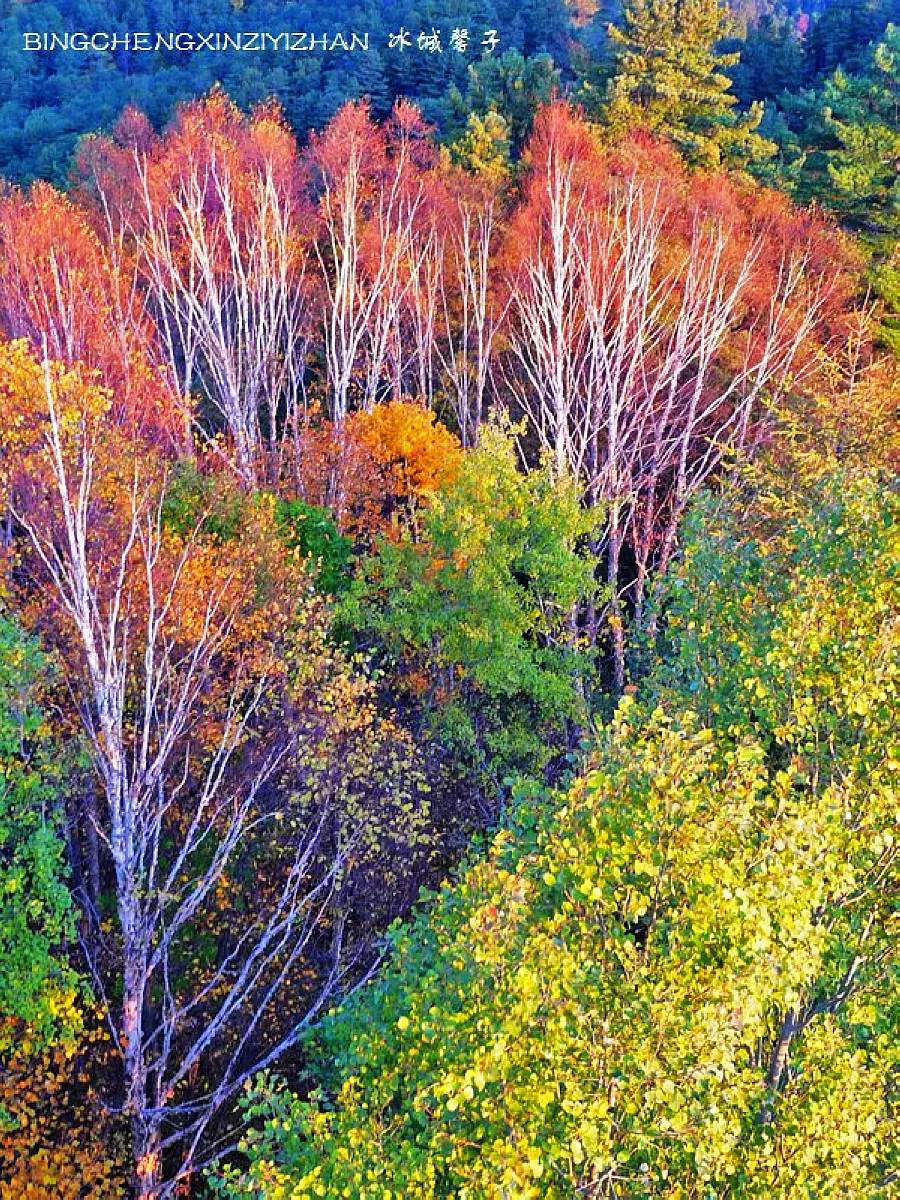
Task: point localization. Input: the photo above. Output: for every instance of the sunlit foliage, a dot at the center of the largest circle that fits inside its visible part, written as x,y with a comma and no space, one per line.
477,612
675,978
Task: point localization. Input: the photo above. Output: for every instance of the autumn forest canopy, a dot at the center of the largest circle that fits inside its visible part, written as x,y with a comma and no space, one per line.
448,616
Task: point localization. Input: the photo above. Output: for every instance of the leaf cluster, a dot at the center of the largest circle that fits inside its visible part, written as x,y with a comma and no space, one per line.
475,614
675,978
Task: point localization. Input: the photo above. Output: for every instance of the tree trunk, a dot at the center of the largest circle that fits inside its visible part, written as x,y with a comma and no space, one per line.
147,1162
790,1027
92,846
616,620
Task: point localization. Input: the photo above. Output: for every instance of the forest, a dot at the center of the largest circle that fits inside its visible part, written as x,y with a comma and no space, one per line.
449,606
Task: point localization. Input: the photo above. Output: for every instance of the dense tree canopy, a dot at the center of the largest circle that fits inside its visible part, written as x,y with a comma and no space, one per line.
454,486
38,987
52,98
676,976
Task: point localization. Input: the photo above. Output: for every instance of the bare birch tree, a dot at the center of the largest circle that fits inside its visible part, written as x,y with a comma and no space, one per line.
425,270
370,194
468,310
221,254
177,711
697,415
213,217
547,334
620,347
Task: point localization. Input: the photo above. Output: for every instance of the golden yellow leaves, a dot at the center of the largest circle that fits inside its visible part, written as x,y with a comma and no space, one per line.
56,1139
420,453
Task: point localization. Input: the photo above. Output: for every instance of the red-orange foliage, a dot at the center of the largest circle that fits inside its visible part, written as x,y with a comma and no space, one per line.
74,296
374,465
335,470
216,216
653,316
592,216
408,441
641,316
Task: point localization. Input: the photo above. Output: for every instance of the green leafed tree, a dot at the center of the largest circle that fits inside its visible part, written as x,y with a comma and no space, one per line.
670,76
38,988
677,978
475,616
483,149
862,115
840,141
511,84
840,147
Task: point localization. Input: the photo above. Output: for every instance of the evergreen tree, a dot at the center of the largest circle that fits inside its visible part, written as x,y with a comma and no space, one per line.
509,84
861,113
840,143
670,77
842,32
484,147
771,55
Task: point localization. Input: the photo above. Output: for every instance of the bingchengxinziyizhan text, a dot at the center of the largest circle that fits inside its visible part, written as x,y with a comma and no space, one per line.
399,41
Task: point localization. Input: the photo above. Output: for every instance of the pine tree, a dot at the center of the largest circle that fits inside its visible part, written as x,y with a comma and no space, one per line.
771,53
670,77
862,114
483,148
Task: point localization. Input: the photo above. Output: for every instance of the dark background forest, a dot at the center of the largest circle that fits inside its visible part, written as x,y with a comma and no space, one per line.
48,100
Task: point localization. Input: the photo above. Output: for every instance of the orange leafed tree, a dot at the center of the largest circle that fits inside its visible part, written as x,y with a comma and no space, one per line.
653,316
376,465
409,440
72,292
416,454
216,215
